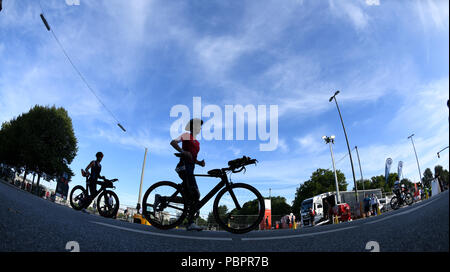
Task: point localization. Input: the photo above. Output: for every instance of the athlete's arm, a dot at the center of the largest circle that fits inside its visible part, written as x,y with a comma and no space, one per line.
88,167
201,163
174,144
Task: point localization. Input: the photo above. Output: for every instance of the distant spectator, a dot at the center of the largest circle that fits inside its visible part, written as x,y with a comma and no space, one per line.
366,205
312,214
374,204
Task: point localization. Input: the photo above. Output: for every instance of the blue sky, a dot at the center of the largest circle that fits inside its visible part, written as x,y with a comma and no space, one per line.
389,59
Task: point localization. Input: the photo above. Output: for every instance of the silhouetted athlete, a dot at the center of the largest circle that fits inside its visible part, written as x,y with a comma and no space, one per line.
185,168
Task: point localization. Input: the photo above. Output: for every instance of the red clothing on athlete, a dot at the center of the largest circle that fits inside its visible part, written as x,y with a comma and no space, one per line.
190,144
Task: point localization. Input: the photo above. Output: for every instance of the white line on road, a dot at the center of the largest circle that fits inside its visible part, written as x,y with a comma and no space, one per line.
296,236
163,234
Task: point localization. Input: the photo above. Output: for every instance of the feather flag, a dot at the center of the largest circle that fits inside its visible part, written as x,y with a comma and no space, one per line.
387,168
399,171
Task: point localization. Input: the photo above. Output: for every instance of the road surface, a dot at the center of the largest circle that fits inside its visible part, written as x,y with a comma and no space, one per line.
29,223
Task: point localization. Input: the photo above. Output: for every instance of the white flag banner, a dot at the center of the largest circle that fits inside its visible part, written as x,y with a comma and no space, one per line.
387,168
400,167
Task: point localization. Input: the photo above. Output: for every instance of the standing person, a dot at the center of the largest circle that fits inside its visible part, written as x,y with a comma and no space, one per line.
366,206
374,202
96,169
311,215
267,222
185,168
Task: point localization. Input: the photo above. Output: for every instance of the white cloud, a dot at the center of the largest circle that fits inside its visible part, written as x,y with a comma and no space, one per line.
218,54
433,14
311,143
373,2
349,10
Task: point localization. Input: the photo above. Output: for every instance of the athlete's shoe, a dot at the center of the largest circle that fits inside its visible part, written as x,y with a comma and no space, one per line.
193,226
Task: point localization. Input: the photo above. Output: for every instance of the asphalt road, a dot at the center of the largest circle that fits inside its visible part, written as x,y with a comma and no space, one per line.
28,223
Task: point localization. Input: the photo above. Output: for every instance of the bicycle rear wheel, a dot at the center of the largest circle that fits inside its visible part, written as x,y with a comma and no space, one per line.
77,197
164,205
394,203
108,204
409,199
239,208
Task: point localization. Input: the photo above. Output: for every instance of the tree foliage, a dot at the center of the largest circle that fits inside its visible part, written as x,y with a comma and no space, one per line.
442,174
41,140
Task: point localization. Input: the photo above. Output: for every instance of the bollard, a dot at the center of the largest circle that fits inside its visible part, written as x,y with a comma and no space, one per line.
335,219
378,210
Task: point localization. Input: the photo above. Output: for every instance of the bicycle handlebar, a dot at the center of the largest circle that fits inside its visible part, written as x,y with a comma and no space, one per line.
86,174
236,165
241,162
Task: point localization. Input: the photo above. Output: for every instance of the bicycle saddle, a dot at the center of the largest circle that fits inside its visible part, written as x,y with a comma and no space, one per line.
215,172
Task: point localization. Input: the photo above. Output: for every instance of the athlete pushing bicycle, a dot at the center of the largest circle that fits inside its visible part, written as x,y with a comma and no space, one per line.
185,168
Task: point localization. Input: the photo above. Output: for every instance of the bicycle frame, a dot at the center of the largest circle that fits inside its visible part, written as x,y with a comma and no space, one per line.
223,183
103,187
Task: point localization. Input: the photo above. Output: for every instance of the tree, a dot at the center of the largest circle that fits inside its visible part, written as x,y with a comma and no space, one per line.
223,210
427,177
279,206
42,141
321,181
442,174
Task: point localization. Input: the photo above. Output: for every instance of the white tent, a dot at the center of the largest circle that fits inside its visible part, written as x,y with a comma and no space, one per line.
435,188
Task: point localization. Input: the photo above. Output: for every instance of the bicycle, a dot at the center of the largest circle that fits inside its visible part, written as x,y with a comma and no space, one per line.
107,201
172,206
405,198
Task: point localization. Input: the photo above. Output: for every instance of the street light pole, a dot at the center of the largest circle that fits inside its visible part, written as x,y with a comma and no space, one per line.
138,207
441,151
360,170
348,146
418,166
330,140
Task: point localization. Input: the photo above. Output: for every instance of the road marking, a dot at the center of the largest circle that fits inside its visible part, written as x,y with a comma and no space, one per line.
163,234
296,236
402,213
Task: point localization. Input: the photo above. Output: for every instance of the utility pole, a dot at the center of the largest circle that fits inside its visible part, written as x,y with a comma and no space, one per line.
348,146
138,207
330,140
360,170
418,166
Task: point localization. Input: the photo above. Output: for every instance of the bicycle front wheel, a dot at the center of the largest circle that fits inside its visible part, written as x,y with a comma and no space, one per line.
108,204
239,208
164,205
